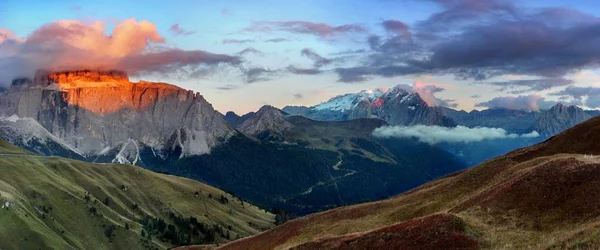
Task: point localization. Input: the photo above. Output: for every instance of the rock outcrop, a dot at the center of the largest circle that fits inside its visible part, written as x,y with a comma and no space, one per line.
267,118
95,111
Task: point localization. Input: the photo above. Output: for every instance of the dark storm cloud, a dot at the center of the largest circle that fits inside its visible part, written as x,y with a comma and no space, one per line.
477,40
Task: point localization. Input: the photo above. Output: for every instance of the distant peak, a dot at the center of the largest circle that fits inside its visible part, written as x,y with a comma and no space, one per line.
269,108
231,113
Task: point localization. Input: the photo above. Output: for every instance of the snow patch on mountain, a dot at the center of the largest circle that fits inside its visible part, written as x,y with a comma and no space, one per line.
129,153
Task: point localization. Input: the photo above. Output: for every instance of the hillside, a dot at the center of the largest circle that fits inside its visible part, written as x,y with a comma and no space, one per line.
57,203
302,166
544,196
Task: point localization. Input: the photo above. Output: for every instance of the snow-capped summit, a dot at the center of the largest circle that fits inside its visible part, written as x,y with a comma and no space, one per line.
349,101
399,105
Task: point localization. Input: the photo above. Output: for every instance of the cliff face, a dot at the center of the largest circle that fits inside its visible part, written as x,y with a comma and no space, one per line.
96,111
559,118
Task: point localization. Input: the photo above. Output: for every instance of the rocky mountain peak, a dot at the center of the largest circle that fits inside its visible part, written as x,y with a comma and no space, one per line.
95,110
558,118
267,118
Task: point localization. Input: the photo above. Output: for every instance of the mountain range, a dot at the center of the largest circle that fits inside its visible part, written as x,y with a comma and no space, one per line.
400,106
103,117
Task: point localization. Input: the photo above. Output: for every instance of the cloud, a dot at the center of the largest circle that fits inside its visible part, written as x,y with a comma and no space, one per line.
591,95
459,11
322,30
277,40
257,74
354,74
238,41
397,28
8,36
179,31
227,87
438,134
133,46
533,84
304,71
522,102
298,96
427,93
350,51
249,51
478,40
318,60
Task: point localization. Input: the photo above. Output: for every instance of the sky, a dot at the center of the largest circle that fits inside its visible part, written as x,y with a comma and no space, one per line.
242,54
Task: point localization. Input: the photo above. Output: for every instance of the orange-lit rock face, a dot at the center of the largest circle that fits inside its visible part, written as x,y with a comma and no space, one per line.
110,91
93,111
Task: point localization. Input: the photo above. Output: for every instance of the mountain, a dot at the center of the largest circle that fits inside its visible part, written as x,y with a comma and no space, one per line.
546,122
95,112
304,166
234,119
266,119
558,118
511,120
58,203
396,105
100,116
544,197
28,133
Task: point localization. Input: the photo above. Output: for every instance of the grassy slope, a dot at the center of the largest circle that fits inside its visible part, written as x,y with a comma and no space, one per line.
529,198
35,183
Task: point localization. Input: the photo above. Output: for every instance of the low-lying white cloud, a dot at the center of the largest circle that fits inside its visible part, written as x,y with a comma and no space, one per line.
437,134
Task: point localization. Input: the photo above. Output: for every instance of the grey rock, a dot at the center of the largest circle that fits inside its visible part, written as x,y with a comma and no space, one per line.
95,111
